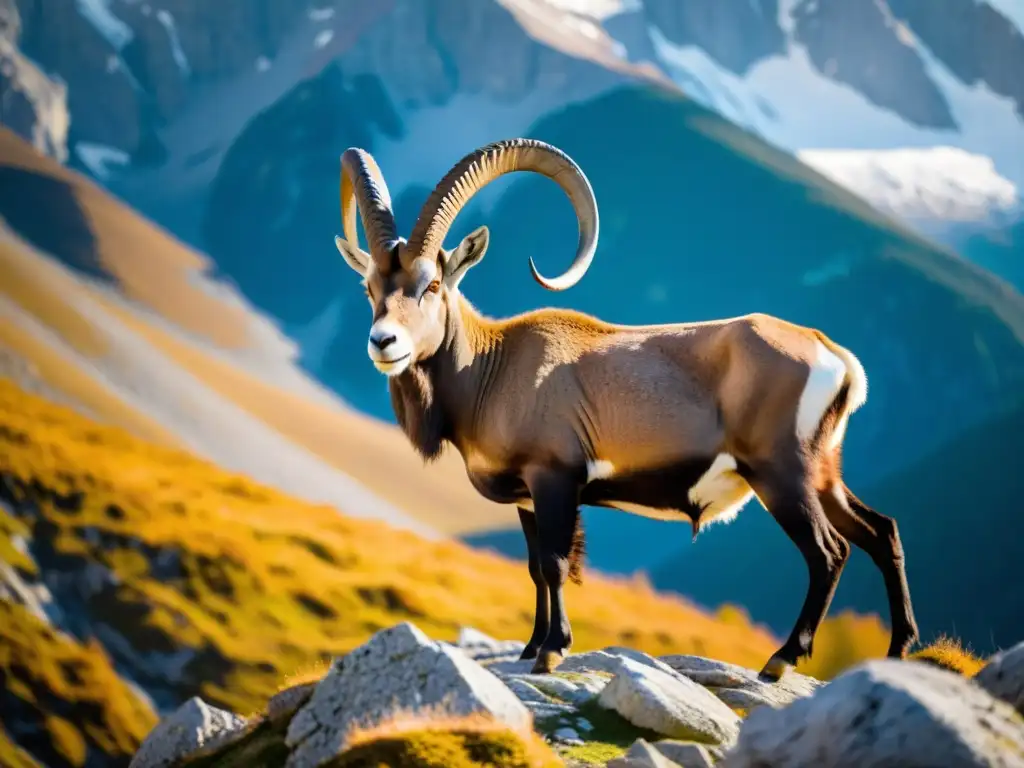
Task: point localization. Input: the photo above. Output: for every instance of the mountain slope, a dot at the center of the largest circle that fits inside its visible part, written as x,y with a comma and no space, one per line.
189,580
154,345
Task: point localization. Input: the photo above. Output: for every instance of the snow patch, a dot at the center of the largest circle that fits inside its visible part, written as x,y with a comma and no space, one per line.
98,158
98,13
772,101
323,38
944,183
177,52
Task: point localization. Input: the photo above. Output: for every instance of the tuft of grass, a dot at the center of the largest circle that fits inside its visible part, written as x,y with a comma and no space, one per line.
438,741
948,653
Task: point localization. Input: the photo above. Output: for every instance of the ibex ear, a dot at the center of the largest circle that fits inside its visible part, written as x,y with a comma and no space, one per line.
353,255
469,253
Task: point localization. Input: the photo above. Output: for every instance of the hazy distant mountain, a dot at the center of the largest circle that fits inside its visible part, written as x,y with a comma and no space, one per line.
224,122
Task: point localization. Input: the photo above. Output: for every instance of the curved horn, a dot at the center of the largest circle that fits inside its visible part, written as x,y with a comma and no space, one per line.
363,187
482,166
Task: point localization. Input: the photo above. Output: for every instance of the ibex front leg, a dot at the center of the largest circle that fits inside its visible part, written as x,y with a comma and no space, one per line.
542,611
556,504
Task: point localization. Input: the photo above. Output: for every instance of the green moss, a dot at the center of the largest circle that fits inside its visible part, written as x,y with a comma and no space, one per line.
611,736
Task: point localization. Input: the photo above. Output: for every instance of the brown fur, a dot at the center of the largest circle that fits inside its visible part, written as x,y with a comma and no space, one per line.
554,409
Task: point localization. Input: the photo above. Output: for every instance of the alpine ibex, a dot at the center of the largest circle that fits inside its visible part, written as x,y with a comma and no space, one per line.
552,409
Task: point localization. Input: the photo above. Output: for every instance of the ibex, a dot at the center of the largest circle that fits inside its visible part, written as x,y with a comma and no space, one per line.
553,409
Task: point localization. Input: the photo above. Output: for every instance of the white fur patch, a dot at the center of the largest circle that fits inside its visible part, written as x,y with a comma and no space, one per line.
823,383
398,355
857,397
721,492
599,469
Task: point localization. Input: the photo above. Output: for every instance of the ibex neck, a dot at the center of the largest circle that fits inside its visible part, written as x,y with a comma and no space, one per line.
442,398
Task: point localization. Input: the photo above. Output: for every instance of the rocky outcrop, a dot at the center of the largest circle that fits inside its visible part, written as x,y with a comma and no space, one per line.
881,713
1003,676
885,713
195,726
398,669
976,42
735,33
32,104
668,704
863,45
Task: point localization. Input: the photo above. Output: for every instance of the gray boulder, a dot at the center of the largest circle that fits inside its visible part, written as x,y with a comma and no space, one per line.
192,727
668,704
885,714
481,647
740,687
399,669
664,754
687,754
284,704
1003,676
643,755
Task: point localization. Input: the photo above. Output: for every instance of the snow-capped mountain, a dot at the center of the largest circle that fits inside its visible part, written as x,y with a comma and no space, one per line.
159,90
879,96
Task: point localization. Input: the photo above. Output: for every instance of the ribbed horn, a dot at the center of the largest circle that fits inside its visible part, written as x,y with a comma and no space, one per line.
363,188
482,166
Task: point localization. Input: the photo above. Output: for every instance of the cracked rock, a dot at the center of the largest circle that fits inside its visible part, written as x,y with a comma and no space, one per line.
194,726
881,714
1003,676
398,669
669,704
740,687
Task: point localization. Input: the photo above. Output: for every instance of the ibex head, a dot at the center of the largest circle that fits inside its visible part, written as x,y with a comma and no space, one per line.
410,284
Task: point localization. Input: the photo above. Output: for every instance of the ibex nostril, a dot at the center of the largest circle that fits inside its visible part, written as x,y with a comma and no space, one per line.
383,342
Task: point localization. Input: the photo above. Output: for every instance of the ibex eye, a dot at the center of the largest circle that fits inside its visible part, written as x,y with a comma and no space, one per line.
434,286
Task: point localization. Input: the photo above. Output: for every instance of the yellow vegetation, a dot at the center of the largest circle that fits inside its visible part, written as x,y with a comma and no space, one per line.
430,741
45,673
950,654
257,584
843,641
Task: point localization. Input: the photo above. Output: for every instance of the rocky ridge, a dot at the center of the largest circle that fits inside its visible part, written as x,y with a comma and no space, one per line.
620,708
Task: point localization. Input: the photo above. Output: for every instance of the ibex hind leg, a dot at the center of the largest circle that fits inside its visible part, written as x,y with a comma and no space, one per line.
879,537
786,492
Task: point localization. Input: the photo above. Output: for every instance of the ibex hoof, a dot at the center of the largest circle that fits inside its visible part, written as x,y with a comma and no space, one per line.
547,661
774,669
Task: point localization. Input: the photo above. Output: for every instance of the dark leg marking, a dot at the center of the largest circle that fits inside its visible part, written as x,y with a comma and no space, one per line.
879,537
556,501
795,506
542,611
